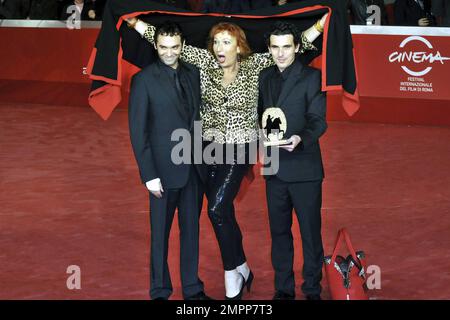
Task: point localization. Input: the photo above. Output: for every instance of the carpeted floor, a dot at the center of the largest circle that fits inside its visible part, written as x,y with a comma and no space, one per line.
70,195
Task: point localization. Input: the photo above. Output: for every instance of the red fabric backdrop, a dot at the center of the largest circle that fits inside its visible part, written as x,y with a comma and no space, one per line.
49,64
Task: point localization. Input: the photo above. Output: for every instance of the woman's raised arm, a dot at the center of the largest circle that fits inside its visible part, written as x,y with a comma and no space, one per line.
311,34
199,57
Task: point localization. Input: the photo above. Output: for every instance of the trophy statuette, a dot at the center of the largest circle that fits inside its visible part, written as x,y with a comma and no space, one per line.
274,125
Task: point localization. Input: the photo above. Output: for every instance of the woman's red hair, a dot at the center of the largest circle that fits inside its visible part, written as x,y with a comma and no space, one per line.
235,31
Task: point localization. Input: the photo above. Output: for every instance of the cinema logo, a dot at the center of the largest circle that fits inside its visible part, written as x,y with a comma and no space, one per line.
421,61
422,58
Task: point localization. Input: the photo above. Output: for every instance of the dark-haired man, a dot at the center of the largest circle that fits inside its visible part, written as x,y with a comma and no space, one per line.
165,97
296,90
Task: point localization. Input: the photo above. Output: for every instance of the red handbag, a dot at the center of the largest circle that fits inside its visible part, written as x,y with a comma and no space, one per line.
346,276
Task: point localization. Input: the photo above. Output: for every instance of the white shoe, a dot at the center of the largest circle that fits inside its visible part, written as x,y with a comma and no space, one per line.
234,282
244,270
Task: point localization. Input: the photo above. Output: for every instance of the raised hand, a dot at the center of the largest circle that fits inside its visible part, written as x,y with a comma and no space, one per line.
323,20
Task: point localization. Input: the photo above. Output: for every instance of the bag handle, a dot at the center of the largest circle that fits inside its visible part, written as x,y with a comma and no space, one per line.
360,262
343,234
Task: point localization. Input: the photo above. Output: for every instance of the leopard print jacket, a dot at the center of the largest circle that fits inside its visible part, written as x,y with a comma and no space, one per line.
229,115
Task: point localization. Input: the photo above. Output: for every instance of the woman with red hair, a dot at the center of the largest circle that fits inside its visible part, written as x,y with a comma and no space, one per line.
229,75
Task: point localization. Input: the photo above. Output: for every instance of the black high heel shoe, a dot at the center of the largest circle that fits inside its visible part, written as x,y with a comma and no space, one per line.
241,291
249,281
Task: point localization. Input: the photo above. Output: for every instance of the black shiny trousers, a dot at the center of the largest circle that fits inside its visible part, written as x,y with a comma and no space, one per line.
222,187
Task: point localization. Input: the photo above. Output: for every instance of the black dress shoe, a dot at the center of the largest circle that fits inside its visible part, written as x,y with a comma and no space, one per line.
313,297
280,295
199,296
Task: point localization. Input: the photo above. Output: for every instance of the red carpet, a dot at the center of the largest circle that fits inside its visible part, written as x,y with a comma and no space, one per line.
70,195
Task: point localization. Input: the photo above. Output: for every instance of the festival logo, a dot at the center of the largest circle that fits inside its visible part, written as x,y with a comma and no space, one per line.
417,57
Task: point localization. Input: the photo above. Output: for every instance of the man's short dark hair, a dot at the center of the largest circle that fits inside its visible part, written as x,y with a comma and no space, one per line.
169,28
281,28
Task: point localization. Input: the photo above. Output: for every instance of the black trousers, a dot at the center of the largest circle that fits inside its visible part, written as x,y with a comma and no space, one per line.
188,200
306,199
223,183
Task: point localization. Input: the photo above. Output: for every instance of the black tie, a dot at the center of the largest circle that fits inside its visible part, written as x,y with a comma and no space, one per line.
182,94
180,90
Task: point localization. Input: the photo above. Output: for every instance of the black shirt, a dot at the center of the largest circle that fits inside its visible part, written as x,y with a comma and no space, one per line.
277,82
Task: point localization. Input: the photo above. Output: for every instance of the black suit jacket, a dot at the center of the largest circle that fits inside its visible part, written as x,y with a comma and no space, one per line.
408,12
14,9
304,105
358,9
88,5
153,115
43,10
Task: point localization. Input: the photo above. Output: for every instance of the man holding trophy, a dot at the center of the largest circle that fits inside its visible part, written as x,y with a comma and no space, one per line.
292,109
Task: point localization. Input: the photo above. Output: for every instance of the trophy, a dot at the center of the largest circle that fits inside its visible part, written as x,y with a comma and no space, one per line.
274,127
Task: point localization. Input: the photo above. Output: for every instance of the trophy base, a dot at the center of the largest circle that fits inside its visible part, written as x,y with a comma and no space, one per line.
276,143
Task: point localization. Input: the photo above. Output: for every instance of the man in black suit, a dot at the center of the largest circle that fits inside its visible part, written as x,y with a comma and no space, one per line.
84,10
413,13
165,97
360,14
297,184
